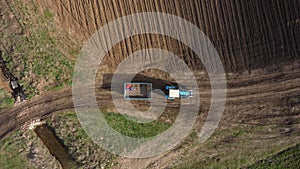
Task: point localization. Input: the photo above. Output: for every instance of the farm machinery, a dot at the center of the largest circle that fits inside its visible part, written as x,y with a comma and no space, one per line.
142,91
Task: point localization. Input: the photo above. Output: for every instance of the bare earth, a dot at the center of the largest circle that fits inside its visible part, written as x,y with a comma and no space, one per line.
252,38
247,95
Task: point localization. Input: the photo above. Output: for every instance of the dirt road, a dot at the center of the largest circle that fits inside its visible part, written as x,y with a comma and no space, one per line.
248,35
261,86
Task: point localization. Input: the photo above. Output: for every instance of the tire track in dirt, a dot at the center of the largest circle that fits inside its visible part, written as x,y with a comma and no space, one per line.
254,90
247,34
276,88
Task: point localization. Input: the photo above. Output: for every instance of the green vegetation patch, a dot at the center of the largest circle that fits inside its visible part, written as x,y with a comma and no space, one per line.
80,146
84,150
10,156
289,158
133,129
37,59
5,99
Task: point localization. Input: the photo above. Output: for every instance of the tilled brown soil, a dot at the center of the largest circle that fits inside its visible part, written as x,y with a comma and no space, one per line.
247,34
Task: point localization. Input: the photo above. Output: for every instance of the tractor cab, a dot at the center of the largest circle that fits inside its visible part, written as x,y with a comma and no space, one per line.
173,92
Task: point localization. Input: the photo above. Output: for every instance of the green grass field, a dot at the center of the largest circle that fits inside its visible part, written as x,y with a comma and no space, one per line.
289,158
133,129
10,156
5,99
37,59
68,128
